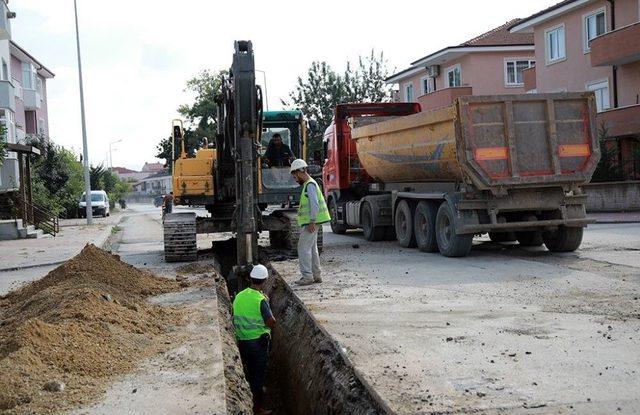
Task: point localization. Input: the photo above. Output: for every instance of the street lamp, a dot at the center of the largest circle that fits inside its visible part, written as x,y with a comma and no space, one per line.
110,156
266,96
85,150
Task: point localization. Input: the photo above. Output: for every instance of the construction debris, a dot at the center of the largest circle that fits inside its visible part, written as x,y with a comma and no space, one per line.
73,330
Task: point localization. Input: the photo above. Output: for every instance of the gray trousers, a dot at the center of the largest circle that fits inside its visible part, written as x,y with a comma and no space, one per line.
308,256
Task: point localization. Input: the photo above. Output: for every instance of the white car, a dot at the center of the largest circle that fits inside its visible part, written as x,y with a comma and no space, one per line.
99,204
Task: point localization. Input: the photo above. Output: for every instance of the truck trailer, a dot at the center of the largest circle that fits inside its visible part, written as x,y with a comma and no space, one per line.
511,166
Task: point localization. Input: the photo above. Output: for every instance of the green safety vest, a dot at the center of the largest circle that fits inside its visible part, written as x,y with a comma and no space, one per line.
247,317
304,211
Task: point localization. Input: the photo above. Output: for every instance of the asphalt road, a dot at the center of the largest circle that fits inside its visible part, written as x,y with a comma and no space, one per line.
504,330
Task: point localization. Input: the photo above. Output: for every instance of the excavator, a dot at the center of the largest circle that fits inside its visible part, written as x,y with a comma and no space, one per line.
230,177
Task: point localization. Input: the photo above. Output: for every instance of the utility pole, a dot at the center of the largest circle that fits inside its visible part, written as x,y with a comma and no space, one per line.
110,155
85,150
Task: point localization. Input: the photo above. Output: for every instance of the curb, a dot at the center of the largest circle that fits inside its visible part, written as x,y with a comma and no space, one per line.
99,242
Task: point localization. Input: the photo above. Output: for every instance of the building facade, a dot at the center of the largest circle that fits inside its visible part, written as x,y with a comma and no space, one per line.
23,98
593,45
492,63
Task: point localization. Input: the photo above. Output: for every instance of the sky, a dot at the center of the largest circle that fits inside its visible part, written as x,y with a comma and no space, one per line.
138,54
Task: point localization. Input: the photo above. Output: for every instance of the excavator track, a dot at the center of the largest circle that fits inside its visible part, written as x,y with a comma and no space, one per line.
180,237
288,239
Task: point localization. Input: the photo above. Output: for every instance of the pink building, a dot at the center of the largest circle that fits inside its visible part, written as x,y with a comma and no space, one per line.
29,78
593,45
492,63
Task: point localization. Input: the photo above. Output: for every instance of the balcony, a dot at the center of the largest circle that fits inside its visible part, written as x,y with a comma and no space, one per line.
32,99
620,122
619,47
7,95
529,75
443,97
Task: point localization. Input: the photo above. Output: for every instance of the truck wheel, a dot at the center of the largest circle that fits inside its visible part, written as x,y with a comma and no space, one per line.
449,243
502,236
530,238
336,226
371,232
404,225
424,226
563,240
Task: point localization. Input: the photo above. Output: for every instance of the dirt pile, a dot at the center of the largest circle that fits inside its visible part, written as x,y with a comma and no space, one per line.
84,322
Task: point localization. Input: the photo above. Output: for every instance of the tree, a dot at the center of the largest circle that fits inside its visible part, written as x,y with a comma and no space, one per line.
322,88
200,116
3,143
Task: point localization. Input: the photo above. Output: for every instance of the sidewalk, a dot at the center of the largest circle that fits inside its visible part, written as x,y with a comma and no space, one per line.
615,217
24,260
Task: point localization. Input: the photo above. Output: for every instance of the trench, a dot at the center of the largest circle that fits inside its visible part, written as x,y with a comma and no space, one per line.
308,373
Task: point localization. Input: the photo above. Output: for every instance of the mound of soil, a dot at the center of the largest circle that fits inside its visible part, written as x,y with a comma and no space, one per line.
81,324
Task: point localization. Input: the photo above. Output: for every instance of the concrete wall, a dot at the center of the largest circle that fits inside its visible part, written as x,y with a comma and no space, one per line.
613,196
629,84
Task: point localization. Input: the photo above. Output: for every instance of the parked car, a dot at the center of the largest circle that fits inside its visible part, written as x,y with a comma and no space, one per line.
99,204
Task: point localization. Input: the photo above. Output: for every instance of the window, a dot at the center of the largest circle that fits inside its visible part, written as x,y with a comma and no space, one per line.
408,92
41,129
454,76
594,25
601,90
513,69
28,76
555,45
427,83
5,71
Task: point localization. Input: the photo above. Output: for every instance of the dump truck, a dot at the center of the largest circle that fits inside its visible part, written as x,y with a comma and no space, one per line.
241,193
511,166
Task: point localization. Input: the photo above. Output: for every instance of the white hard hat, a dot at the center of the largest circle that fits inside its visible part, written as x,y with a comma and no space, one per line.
259,272
298,164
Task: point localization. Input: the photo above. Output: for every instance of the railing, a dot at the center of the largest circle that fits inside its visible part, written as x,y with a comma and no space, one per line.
15,207
612,170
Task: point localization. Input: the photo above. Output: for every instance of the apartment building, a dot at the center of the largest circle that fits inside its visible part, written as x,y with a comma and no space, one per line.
593,45
23,99
492,63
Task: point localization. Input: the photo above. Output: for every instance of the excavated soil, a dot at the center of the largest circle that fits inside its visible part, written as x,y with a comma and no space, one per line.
81,324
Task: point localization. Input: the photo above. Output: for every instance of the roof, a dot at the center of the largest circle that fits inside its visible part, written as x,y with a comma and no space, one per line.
500,36
527,23
122,170
24,56
152,167
157,175
497,39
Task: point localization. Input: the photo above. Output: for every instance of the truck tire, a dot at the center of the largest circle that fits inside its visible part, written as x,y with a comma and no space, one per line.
529,238
404,225
424,226
502,236
336,226
449,243
563,240
371,232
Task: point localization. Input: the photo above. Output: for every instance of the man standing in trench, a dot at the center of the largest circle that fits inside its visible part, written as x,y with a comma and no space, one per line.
253,321
312,213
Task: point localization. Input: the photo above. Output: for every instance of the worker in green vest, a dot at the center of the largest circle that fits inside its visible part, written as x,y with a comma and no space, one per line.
253,321
312,213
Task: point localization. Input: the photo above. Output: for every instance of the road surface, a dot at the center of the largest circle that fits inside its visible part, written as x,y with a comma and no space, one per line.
505,330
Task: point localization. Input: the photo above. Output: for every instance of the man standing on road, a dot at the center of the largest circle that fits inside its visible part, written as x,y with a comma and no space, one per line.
167,204
312,213
253,321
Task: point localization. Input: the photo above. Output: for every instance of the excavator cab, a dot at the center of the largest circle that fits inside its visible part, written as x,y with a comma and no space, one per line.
282,140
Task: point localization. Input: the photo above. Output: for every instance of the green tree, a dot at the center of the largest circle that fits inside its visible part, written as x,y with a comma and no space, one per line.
3,143
322,88
200,116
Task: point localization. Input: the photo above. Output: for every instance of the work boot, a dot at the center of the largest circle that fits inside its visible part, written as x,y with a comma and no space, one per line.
304,281
317,279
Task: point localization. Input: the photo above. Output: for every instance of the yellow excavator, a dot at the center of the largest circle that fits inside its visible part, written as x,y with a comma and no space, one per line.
241,193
